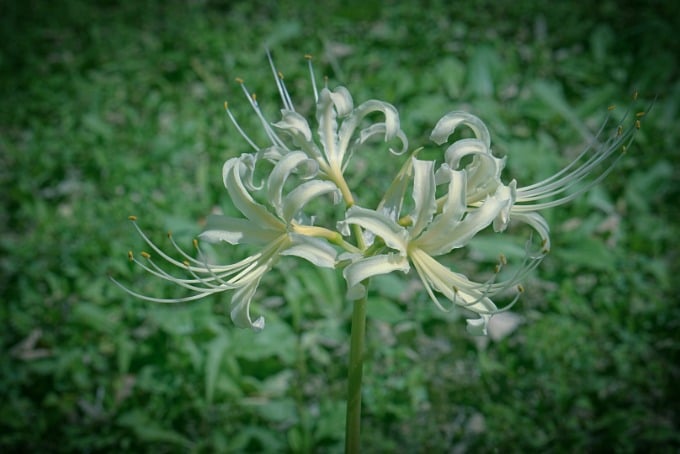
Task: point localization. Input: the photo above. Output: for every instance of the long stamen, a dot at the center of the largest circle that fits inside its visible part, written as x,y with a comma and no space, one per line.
574,173
308,57
252,99
239,129
278,77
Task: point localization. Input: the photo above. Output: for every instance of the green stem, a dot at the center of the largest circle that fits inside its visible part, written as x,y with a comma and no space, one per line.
354,374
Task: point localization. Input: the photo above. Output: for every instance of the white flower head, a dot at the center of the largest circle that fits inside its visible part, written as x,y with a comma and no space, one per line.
339,128
452,201
274,229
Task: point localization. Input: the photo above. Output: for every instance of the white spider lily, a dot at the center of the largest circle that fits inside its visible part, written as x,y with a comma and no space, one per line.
430,232
334,143
484,170
276,230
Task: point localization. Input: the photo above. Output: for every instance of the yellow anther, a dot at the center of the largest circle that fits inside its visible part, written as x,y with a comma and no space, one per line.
280,74
169,234
497,269
132,218
186,263
226,105
308,56
455,289
146,255
640,114
520,288
239,80
195,243
619,130
131,256
612,107
637,124
502,259
624,149
635,95
254,96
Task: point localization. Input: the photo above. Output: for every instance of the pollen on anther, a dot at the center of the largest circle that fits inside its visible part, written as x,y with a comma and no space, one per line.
169,234
131,256
520,288
640,114
195,243
635,95
612,107
619,130
132,218
226,105
239,80
308,56
280,74
502,259
186,263
637,124
254,97
146,255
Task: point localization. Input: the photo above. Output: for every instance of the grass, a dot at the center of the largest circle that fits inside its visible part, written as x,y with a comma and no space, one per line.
112,109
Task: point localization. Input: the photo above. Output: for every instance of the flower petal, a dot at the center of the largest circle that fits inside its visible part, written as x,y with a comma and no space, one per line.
454,286
443,226
314,250
240,305
484,172
257,213
393,200
294,124
478,326
295,201
367,267
394,235
349,125
466,229
236,231
424,188
342,100
449,122
297,127
326,115
279,175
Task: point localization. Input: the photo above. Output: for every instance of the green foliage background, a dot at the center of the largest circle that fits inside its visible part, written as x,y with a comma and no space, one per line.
113,108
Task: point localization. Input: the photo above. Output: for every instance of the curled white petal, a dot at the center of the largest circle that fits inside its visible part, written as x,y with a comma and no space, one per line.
279,175
394,236
240,306
241,198
314,250
449,122
478,326
236,231
296,199
365,268
294,124
342,100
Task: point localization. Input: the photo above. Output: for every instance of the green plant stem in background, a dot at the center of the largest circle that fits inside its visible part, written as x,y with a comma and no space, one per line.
354,374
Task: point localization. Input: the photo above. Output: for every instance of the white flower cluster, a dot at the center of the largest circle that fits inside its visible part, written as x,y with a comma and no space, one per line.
452,201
